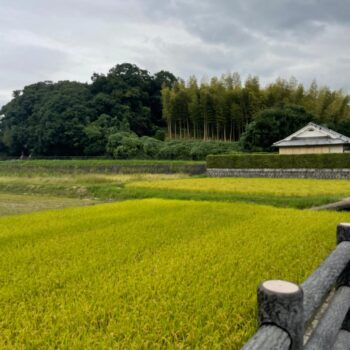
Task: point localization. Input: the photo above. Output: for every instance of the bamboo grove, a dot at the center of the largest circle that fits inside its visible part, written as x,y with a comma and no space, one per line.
222,108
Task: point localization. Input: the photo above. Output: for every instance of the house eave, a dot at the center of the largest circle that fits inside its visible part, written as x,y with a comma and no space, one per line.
333,137
312,145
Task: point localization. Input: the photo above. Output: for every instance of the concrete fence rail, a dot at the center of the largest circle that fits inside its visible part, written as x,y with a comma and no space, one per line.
286,310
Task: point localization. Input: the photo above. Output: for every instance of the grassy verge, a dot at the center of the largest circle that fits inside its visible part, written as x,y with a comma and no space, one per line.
277,192
253,186
52,167
299,202
11,204
297,193
91,186
89,162
151,273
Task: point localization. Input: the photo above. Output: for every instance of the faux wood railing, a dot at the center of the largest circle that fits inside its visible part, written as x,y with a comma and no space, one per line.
286,310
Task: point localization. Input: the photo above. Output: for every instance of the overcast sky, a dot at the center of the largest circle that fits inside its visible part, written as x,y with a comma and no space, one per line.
71,39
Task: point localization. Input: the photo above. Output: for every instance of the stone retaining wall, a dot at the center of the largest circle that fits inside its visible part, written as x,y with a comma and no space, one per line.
191,169
282,173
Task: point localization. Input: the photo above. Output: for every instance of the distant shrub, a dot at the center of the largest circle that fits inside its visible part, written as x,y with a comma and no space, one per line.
175,150
200,150
160,135
151,147
124,145
276,161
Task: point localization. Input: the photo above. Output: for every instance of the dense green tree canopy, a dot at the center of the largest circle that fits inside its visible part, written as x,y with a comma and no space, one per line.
124,112
47,119
271,125
223,108
71,118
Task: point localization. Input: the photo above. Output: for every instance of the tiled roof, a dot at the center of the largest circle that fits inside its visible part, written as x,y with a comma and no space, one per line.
330,137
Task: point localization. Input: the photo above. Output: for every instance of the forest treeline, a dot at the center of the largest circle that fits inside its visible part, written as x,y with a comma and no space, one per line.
72,118
130,113
222,108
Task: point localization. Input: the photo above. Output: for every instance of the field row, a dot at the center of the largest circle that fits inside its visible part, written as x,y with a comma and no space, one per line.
298,193
253,186
149,273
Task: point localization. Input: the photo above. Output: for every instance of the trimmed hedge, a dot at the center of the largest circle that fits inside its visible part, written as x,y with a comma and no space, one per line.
276,161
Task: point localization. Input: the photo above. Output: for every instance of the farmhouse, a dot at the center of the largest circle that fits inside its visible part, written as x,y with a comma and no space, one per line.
313,138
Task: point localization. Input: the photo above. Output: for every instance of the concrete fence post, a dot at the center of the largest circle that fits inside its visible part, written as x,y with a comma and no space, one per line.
346,324
343,235
343,232
280,303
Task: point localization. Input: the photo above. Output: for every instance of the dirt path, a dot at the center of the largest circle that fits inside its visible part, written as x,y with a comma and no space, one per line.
12,204
344,204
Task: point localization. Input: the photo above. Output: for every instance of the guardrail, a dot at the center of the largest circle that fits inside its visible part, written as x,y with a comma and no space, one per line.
286,310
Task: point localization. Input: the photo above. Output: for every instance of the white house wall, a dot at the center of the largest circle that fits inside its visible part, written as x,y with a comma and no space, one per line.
312,150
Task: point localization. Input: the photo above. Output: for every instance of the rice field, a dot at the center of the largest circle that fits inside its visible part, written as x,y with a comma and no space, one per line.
89,186
150,274
104,187
252,186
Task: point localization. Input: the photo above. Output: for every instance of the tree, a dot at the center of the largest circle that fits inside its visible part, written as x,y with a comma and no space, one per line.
272,125
47,119
194,106
166,104
180,112
159,80
222,108
204,102
70,118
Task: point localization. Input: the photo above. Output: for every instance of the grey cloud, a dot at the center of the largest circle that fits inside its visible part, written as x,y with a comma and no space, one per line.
278,14
31,63
70,39
25,64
